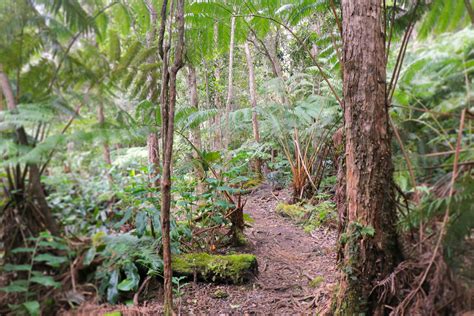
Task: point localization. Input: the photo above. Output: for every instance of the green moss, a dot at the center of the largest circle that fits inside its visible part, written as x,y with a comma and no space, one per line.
239,239
248,219
235,268
294,211
252,183
316,282
310,216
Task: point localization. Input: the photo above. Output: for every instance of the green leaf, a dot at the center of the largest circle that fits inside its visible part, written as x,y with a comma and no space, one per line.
19,286
367,231
16,267
51,260
112,291
140,222
33,307
22,249
53,244
90,255
132,280
45,280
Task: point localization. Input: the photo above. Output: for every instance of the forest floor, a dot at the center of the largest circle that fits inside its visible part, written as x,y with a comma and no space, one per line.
296,275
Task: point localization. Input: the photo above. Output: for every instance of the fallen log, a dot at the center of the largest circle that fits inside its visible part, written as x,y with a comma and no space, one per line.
235,268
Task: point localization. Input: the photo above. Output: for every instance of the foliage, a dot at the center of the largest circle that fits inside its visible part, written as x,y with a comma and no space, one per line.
44,250
311,216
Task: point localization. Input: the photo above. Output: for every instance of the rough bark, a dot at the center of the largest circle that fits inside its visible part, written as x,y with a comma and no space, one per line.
367,257
253,102
230,84
168,104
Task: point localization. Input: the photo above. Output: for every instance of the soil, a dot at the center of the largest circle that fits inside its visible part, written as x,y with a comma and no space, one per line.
297,271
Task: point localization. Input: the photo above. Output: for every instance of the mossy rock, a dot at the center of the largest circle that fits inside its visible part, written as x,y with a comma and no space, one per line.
236,268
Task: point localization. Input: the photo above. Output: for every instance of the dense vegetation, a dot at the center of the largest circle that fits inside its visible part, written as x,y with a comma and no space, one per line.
133,131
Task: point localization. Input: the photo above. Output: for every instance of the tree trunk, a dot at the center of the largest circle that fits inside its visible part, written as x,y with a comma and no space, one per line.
152,142
2,105
196,132
106,149
153,146
168,103
272,46
27,198
369,246
253,102
217,95
230,84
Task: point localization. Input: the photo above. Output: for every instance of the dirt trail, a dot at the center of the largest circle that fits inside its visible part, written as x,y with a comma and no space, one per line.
288,259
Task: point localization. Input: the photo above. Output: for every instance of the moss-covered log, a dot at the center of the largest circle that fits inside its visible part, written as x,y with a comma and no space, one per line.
236,268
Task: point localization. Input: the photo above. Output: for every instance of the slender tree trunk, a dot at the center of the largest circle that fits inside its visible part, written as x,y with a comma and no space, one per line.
106,149
152,142
369,248
217,94
272,48
253,102
2,105
168,103
196,132
153,146
230,83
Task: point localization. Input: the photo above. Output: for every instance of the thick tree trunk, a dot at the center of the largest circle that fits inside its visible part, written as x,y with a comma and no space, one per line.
105,145
369,245
230,84
253,102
